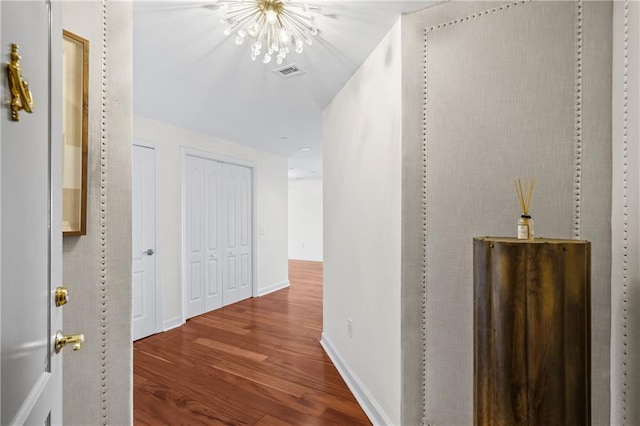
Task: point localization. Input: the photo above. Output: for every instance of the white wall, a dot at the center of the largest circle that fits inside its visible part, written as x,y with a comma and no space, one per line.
625,273
362,137
305,220
271,187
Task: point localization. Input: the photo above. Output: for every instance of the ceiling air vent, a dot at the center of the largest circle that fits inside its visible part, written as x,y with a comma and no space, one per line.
289,71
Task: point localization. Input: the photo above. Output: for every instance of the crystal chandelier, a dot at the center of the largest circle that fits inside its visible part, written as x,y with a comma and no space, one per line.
274,25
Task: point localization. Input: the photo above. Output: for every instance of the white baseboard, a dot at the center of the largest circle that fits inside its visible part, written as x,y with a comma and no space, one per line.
172,323
368,403
272,288
307,259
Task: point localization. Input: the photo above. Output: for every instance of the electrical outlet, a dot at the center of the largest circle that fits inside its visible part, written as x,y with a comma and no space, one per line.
350,327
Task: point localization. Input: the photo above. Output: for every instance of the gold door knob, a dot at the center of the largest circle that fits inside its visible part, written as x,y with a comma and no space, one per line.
62,296
62,341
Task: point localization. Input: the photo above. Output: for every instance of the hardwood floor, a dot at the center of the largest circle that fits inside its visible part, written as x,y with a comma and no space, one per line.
257,362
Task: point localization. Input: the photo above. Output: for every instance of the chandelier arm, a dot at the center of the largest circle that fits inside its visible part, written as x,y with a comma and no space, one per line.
300,29
278,36
236,4
240,14
261,23
234,8
297,15
238,24
292,20
307,7
275,39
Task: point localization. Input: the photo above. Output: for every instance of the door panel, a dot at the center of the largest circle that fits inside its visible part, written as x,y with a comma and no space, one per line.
230,195
213,240
231,280
244,232
245,267
230,219
138,297
30,250
245,206
195,235
144,243
196,283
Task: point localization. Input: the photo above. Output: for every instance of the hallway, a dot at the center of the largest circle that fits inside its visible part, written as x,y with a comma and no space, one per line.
257,362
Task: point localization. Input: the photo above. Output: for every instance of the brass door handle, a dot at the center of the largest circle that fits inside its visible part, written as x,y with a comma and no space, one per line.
62,341
21,98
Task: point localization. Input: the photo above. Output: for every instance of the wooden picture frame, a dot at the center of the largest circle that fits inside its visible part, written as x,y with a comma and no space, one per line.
75,133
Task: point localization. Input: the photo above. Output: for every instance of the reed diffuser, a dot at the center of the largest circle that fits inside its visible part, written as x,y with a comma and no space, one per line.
525,223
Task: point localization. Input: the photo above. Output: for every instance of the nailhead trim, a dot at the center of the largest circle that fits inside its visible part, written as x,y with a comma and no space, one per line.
577,166
625,214
103,215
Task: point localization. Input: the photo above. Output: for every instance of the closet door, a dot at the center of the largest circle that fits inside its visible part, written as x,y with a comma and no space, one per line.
194,241
213,240
236,233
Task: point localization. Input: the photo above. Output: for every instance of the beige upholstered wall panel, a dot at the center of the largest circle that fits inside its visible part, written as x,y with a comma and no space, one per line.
625,291
97,267
503,95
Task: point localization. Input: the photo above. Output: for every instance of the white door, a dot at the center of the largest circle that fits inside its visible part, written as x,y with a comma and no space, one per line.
31,248
217,234
145,306
194,239
237,233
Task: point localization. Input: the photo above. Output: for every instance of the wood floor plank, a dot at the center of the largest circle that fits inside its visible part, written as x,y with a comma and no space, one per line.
230,349
257,362
272,421
225,325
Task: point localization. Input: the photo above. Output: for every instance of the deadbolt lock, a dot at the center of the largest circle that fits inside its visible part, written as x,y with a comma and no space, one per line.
74,339
62,296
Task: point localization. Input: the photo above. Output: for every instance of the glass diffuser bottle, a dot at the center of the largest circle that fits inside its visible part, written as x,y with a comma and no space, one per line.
525,223
525,227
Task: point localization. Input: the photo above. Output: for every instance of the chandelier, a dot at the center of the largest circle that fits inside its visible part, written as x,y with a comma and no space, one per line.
273,26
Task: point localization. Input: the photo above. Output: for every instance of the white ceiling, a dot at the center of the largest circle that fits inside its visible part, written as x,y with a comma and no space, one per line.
187,73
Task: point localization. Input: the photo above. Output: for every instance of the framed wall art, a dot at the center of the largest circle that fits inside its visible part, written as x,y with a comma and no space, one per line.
75,133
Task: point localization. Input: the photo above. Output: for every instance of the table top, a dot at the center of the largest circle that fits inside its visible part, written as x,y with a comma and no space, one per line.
534,241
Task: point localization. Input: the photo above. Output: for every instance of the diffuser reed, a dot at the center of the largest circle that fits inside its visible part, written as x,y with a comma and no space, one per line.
525,223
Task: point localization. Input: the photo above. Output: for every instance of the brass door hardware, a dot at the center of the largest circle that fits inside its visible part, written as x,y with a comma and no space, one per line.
62,341
20,94
62,296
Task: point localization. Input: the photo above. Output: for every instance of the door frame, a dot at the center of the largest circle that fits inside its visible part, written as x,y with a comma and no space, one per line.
207,155
158,230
